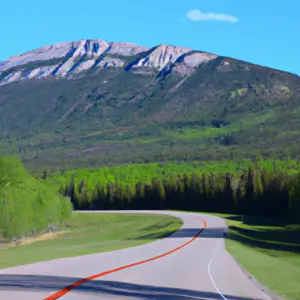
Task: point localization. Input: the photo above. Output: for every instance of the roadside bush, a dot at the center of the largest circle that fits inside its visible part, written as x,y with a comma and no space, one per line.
27,205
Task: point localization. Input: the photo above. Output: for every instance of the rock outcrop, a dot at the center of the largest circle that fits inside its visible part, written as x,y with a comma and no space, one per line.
69,59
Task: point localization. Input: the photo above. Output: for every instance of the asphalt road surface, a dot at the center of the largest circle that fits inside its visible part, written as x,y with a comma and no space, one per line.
190,264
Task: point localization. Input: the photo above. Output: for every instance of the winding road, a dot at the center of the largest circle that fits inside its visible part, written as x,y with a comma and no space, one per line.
190,264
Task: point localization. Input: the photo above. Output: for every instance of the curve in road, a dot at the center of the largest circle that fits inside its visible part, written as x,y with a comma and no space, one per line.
192,263
64,291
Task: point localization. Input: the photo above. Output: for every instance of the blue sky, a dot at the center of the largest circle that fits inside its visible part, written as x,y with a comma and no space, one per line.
265,32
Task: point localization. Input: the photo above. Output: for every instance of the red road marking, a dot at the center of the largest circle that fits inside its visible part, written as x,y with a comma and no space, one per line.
69,288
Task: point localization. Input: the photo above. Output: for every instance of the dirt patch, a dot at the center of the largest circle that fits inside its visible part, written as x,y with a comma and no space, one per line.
30,240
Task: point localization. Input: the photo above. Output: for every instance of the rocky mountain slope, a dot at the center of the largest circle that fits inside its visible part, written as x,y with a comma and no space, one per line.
94,102
69,59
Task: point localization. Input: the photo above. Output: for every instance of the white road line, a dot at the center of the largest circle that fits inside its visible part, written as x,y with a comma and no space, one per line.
209,272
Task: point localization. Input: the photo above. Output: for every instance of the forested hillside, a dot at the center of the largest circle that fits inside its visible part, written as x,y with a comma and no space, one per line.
224,109
27,206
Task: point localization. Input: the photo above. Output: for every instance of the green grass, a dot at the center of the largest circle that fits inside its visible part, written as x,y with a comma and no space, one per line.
198,133
179,134
280,273
268,250
93,233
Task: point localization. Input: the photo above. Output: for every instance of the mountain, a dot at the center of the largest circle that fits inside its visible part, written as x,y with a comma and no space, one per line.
92,102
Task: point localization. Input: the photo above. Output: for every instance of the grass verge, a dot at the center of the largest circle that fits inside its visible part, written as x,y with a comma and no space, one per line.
269,250
92,233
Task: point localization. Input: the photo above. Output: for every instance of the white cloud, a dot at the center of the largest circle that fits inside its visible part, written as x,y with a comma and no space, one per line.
196,15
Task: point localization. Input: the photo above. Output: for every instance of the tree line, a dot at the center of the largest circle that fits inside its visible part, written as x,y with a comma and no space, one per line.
254,191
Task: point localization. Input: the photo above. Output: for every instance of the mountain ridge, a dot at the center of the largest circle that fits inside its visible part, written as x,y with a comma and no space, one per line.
68,59
117,103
